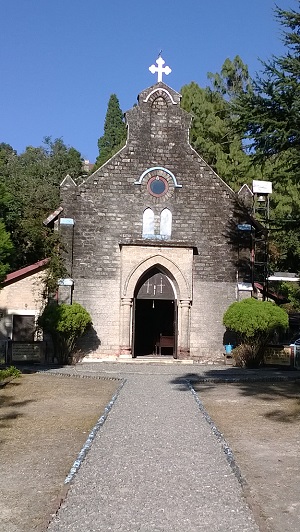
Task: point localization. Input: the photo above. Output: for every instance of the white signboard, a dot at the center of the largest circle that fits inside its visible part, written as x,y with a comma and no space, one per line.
65,282
245,286
261,187
66,221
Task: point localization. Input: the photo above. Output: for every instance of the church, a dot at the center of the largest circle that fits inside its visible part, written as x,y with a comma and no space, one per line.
147,240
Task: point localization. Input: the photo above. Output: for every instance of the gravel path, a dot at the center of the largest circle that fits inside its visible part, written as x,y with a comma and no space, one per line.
154,465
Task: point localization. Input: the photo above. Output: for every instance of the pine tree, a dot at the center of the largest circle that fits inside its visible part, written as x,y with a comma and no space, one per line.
233,79
213,133
269,116
270,112
114,136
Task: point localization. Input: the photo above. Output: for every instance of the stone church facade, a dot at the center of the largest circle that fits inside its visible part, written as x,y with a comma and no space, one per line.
147,240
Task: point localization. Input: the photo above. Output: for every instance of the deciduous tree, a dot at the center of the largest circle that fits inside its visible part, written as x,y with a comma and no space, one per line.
6,250
29,183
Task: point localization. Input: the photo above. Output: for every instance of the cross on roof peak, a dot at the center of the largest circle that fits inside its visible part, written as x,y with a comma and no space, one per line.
160,69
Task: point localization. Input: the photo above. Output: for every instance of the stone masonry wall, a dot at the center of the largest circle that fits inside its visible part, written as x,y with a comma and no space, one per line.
211,299
108,212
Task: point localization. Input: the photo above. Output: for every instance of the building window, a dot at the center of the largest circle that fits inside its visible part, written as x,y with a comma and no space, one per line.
157,186
148,223
23,328
166,223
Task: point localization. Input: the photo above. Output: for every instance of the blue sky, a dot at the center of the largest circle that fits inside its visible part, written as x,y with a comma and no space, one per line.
61,59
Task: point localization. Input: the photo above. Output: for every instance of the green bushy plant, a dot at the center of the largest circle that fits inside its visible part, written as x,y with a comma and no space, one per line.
65,324
12,372
254,323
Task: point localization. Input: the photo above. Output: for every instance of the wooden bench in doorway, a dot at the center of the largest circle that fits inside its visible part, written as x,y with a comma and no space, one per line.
164,341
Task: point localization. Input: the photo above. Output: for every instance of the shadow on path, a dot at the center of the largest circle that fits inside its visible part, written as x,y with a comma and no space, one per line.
279,386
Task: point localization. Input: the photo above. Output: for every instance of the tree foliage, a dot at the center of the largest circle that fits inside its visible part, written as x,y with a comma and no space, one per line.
6,251
114,136
213,133
291,291
65,324
56,268
233,79
29,191
6,153
269,118
10,373
270,113
254,323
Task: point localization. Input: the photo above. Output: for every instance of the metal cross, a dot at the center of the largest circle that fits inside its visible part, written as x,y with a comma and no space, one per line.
160,69
161,285
148,286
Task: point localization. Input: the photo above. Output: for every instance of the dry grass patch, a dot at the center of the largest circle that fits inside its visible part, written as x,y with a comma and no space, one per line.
261,423
44,422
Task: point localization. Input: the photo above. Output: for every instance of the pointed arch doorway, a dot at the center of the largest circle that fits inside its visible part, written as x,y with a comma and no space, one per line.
155,316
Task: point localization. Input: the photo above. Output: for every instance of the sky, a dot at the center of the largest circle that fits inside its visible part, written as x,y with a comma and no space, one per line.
60,60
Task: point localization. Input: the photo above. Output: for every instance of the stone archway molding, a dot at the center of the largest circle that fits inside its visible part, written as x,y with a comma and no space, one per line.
160,92
158,169
168,266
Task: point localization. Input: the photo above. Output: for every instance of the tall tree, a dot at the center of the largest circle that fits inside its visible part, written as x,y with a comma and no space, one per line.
6,251
233,78
270,116
114,136
63,159
213,132
31,184
270,112
6,153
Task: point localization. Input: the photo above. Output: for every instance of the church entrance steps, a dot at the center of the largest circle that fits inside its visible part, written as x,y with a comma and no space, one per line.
160,360
146,359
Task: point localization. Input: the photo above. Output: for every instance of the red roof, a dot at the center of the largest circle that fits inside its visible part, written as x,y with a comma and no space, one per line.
33,268
271,293
53,216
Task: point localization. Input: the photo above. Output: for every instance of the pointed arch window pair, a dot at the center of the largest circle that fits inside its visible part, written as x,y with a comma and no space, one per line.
165,224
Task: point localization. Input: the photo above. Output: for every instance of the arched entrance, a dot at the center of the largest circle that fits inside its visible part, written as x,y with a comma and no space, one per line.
132,281
154,315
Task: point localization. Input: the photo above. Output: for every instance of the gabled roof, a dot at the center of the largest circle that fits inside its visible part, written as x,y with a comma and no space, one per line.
24,272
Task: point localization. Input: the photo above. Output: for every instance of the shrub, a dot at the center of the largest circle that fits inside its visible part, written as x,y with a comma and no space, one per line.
65,324
254,322
12,372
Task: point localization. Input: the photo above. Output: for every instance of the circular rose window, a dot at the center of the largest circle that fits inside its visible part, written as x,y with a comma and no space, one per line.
157,186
